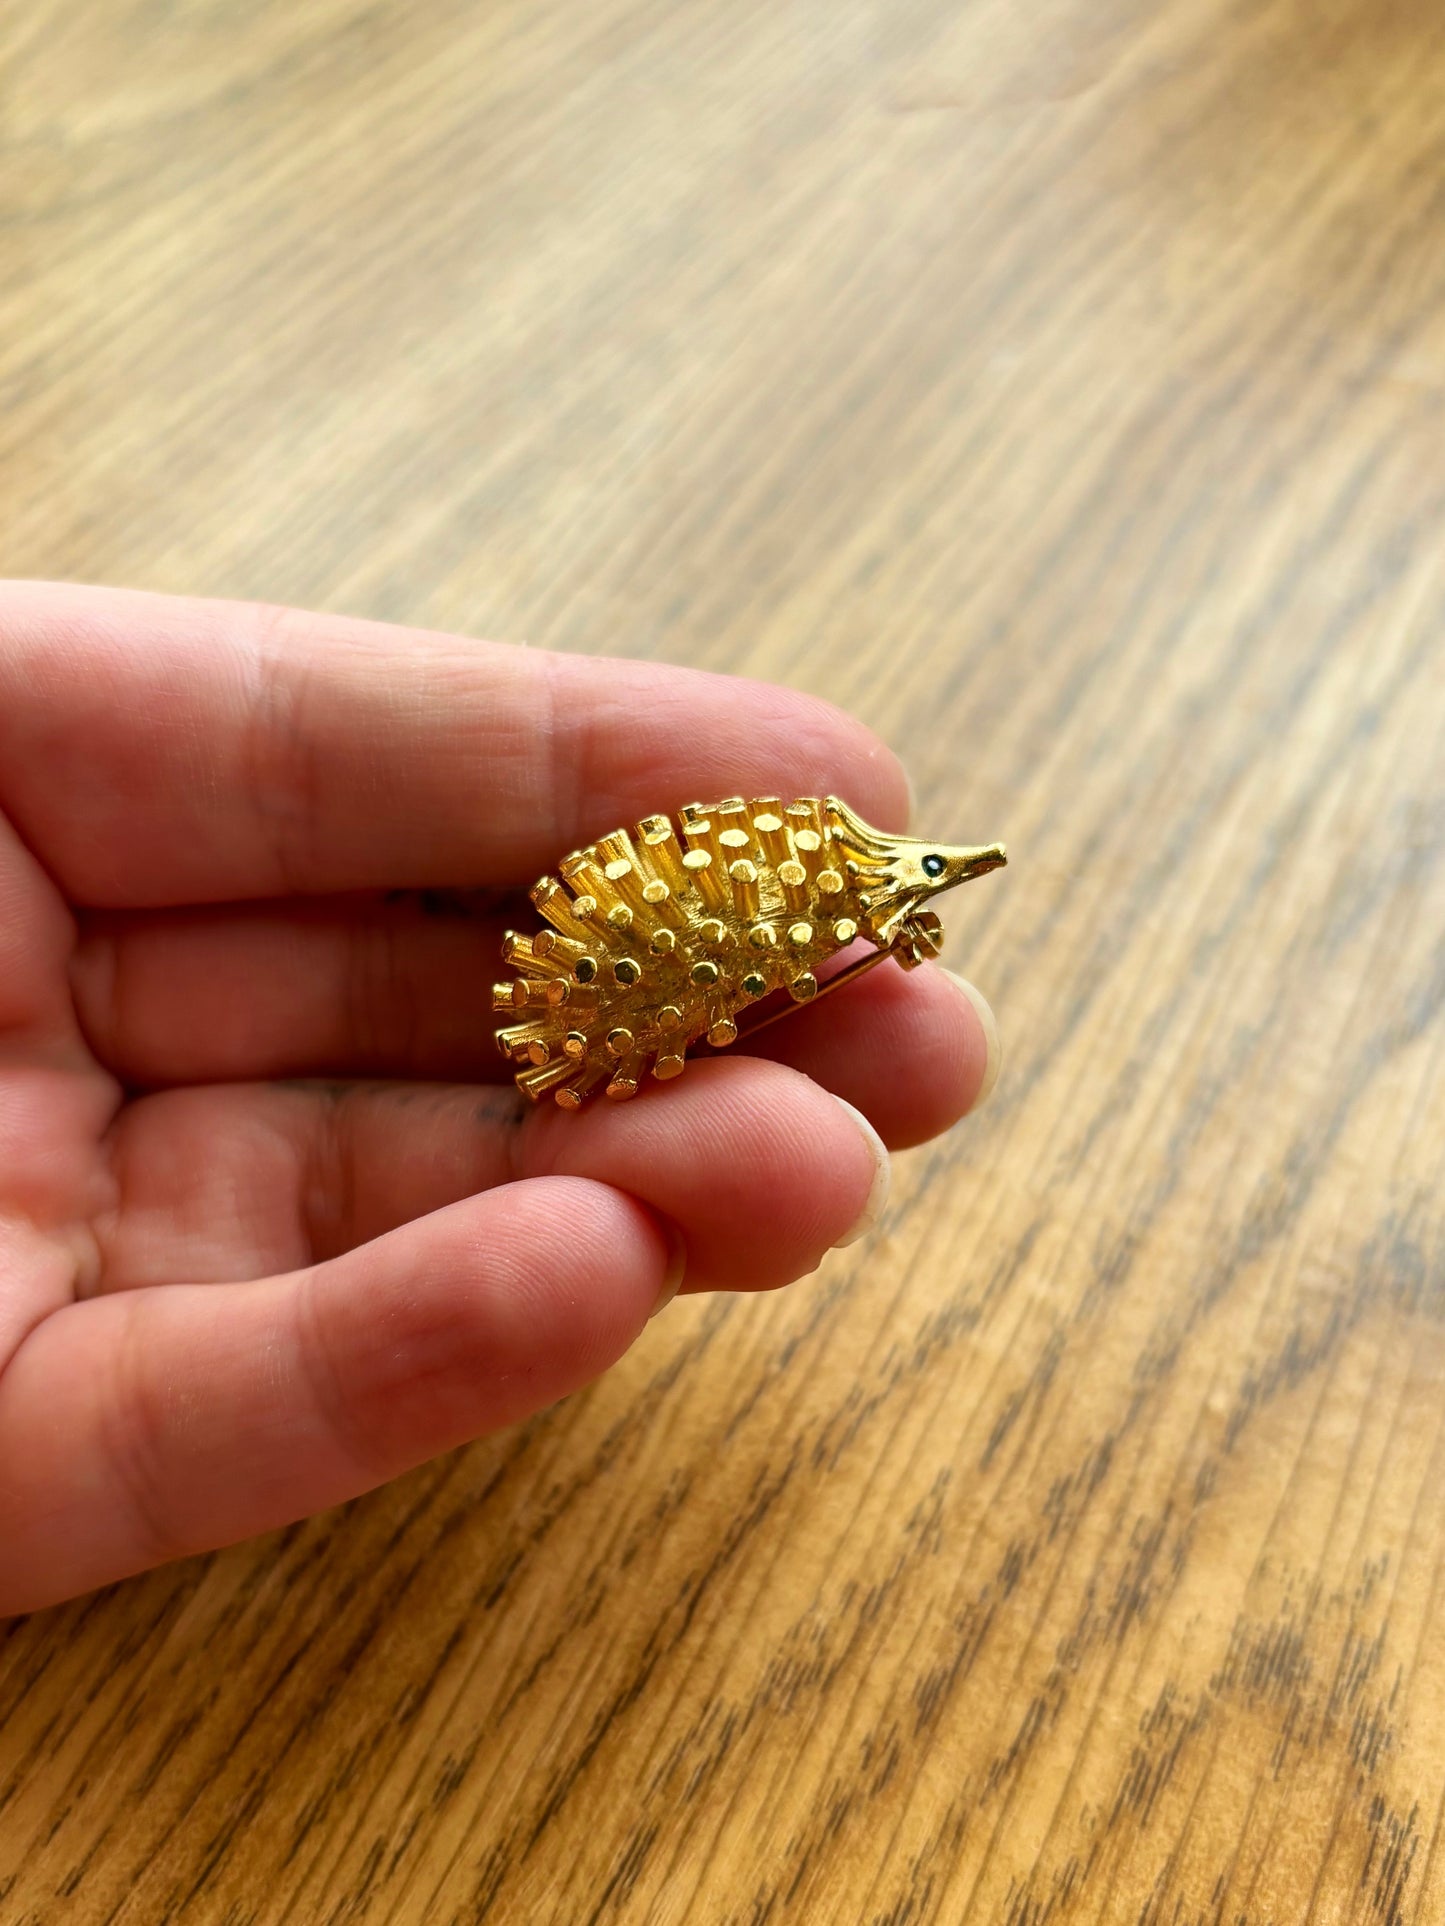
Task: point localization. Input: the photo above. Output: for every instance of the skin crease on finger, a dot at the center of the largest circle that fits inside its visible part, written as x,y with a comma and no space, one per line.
211,996
301,1170
757,1167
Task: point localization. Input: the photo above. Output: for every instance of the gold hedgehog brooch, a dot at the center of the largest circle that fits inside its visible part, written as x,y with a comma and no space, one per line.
668,935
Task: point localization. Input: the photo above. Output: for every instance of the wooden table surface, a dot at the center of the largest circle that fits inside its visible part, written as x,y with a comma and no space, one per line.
1061,387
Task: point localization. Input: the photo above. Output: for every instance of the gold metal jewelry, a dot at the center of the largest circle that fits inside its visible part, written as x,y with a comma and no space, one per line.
671,934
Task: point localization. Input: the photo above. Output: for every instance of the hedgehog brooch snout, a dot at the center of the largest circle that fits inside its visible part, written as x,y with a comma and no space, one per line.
669,935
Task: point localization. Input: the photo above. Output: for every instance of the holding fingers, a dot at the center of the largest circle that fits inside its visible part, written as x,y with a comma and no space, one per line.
273,1225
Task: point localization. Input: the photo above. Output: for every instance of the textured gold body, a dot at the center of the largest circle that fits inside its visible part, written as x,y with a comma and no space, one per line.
669,935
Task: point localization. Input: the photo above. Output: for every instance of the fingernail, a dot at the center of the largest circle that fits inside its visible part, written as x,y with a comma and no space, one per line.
877,1200
990,1034
676,1268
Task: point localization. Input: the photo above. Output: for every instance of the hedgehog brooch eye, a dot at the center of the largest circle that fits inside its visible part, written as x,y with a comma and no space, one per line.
677,933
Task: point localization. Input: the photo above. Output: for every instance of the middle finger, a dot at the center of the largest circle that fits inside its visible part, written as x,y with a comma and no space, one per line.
399,986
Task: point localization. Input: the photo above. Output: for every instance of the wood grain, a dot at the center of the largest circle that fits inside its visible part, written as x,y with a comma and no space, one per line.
1064,388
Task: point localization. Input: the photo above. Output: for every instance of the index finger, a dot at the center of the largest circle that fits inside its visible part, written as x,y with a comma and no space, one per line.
158,749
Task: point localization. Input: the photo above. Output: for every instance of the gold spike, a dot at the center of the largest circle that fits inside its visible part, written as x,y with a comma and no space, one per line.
754,985
744,877
518,954
662,904
809,845
705,973
616,848
734,843
662,942
616,927
794,879
706,880
803,987
627,970
575,1044
590,880
577,869
800,935
551,954
619,1041
538,1078
626,1078
509,996
669,1064
701,833
571,1095
556,905
660,852
772,834
513,1038
633,886
762,936
721,1031
844,930
829,883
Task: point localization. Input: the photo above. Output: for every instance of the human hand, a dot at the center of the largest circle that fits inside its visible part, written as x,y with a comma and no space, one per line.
274,1223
